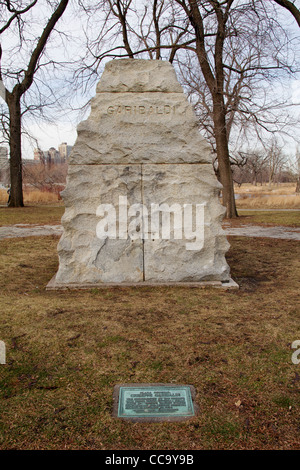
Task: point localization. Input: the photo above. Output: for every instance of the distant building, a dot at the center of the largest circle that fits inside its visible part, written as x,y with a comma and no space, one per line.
53,156
64,151
38,155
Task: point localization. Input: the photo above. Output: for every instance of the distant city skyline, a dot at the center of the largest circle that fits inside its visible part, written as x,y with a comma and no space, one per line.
53,155
47,136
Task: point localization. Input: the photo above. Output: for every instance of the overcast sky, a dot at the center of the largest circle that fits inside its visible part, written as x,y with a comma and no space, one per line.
64,128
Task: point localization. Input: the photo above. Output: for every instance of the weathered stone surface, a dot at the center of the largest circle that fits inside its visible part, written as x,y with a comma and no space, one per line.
4,166
84,258
170,260
141,143
140,76
140,128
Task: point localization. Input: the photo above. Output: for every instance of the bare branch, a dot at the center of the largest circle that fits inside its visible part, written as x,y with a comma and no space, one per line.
291,8
16,14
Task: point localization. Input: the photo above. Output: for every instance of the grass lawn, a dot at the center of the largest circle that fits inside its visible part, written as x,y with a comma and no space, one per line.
66,351
35,214
51,215
261,217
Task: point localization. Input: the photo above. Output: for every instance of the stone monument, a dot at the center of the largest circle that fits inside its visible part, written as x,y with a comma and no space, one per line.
141,200
4,166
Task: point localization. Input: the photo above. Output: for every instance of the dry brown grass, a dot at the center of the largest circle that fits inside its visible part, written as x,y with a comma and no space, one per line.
32,197
281,196
269,202
282,188
291,202
3,196
42,197
67,350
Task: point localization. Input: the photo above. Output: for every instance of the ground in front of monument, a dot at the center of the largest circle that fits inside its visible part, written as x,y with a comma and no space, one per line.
67,350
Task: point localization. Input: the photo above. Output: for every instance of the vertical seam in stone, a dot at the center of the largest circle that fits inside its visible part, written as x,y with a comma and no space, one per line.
143,227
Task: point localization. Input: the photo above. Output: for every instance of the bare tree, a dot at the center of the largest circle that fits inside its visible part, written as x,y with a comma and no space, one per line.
14,15
225,50
297,170
146,28
256,164
292,169
276,160
241,49
291,7
43,177
255,58
181,24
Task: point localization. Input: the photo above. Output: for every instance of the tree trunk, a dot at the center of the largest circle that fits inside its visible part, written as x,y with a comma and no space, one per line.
215,83
223,159
271,178
13,100
16,194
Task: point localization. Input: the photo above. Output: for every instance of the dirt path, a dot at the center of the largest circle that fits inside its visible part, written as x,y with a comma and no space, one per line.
287,233
25,230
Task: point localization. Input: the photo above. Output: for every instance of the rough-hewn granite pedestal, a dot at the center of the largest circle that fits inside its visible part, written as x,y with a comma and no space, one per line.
140,148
